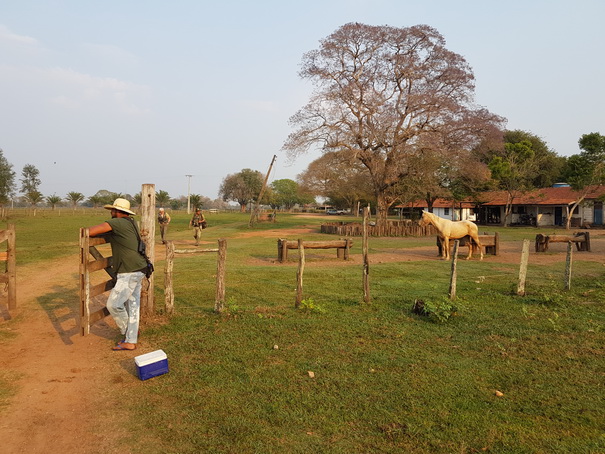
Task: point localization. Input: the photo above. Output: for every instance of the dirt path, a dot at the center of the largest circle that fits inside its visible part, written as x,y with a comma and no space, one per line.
62,380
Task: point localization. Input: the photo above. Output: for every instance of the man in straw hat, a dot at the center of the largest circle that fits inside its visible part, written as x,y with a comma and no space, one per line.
129,265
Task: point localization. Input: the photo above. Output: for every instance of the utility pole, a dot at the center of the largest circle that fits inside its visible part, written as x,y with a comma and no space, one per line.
254,216
188,193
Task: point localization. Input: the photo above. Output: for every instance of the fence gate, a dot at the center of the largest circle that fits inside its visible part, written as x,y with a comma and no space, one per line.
9,277
87,290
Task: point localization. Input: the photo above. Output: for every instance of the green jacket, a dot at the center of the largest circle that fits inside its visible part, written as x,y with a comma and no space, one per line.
124,246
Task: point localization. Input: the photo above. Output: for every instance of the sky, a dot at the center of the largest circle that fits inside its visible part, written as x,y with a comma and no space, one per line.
120,93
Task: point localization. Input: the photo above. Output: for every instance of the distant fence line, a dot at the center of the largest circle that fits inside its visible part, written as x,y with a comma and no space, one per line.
392,228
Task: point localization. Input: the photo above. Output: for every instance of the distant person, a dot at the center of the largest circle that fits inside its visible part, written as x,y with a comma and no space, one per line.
163,220
129,265
196,222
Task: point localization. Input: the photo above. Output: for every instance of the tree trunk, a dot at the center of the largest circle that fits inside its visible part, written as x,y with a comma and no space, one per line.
508,208
382,209
570,212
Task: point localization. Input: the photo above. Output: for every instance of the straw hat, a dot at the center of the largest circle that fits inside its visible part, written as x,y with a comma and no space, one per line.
120,205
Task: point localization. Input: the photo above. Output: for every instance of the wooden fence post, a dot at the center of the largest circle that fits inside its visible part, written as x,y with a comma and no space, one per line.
568,263
299,274
453,275
168,271
148,236
523,268
219,303
282,250
84,283
366,261
11,267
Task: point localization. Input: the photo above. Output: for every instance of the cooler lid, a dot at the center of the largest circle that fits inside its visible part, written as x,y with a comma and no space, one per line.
148,358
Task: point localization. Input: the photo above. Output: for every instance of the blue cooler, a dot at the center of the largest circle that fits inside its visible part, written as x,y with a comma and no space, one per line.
151,364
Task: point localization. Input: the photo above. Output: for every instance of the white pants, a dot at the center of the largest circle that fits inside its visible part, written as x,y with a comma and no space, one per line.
124,304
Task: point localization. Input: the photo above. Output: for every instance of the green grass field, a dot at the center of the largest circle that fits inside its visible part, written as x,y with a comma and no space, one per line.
385,379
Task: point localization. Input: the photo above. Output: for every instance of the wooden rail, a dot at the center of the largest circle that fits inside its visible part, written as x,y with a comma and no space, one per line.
342,247
581,240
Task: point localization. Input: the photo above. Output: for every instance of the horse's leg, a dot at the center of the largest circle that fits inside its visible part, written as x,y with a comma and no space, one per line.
476,240
446,247
470,246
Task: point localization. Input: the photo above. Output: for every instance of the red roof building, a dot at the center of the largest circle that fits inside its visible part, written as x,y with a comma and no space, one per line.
542,207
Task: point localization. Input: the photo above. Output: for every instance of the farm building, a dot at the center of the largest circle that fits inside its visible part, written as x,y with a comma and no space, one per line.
545,207
542,207
447,209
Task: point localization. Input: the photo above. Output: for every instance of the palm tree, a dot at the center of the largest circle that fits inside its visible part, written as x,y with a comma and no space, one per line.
138,199
34,197
162,198
74,198
195,199
53,200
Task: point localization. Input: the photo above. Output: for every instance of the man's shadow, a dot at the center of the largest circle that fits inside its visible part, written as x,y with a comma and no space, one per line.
62,306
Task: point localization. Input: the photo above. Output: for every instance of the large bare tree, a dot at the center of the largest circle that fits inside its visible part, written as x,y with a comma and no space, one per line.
384,95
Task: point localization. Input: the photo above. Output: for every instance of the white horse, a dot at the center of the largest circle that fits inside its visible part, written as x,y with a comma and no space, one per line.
454,230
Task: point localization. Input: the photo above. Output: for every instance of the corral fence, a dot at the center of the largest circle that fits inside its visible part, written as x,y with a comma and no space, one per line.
391,228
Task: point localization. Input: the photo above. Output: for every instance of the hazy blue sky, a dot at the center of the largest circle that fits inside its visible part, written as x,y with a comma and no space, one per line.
113,94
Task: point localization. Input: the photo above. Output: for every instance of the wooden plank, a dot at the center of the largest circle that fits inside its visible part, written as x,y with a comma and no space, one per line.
101,288
192,251
565,238
319,244
95,241
96,265
97,315
98,256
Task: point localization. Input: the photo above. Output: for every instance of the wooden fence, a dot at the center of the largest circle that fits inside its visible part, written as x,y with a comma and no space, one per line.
392,228
219,302
87,290
342,247
9,277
